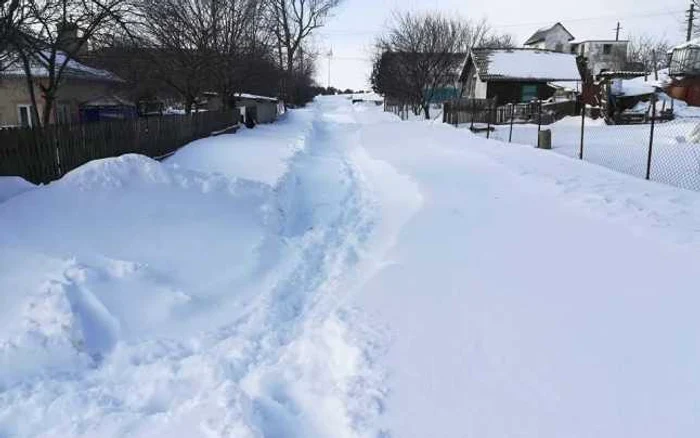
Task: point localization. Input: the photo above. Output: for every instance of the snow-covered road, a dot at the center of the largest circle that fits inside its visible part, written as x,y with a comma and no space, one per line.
345,274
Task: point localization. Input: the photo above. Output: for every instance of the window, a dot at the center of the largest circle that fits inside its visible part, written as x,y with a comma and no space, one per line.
25,116
607,49
529,92
559,47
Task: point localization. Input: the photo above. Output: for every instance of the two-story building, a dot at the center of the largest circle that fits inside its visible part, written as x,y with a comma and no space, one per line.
555,38
602,55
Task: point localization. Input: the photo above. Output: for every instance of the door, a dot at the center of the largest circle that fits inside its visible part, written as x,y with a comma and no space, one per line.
529,93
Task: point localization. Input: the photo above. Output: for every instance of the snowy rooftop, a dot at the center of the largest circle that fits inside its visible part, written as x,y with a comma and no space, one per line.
73,69
541,33
256,97
525,64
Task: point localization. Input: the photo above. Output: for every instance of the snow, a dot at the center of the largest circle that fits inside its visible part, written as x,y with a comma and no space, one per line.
12,186
72,68
256,97
342,273
533,64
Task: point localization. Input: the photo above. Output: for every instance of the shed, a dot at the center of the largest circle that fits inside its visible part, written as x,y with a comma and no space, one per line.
258,109
107,108
516,75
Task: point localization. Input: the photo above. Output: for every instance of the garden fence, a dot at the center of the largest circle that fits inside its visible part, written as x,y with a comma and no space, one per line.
42,155
658,146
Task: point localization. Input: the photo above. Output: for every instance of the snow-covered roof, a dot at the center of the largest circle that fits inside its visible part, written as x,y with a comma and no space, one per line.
692,43
256,97
73,69
107,101
642,86
525,64
540,34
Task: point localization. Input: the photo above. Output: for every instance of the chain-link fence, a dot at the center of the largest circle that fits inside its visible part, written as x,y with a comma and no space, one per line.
658,146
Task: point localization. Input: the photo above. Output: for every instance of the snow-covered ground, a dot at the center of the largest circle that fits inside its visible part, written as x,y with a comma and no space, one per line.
625,148
345,274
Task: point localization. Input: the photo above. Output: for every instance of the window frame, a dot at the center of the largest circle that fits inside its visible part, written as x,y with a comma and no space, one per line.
30,115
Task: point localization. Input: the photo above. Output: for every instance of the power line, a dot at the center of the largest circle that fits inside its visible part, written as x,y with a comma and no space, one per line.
538,23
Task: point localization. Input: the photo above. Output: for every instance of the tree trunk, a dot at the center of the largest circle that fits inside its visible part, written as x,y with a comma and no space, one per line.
426,110
49,100
32,92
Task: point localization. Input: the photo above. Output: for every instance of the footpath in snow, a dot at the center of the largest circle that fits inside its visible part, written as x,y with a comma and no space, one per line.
345,274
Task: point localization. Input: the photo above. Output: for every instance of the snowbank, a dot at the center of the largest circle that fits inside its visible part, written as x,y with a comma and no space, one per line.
12,186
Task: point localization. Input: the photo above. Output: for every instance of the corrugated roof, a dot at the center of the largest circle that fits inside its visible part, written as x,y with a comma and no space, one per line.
540,34
525,64
73,69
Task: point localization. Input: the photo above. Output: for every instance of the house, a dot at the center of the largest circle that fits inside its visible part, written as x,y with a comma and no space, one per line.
604,56
81,85
516,75
555,38
259,109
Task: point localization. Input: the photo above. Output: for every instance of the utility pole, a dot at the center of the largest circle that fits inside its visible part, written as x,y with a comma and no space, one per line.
691,19
617,32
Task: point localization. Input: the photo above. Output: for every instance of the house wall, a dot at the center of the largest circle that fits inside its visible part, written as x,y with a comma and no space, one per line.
266,111
556,39
598,60
14,92
474,87
481,89
512,92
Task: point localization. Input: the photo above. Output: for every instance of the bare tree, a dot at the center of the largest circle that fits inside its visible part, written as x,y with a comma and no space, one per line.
649,51
12,14
420,55
182,36
291,22
52,36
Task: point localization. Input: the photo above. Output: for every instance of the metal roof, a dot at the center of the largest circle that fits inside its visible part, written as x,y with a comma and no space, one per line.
523,64
542,33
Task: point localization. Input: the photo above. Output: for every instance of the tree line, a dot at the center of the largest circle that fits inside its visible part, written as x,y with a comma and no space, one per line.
181,48
420,55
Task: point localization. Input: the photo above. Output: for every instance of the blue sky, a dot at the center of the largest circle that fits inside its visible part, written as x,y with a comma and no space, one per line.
356,22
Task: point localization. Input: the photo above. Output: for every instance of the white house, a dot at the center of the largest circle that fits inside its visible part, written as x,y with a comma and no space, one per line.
555,38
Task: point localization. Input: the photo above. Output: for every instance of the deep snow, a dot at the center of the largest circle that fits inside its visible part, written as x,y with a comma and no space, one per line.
346,274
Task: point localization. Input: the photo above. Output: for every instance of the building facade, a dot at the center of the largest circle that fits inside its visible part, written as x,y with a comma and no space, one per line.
555,38
602,55
80,85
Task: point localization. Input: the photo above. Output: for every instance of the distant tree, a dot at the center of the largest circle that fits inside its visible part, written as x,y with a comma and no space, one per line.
421,53
649,51
292,22
11,17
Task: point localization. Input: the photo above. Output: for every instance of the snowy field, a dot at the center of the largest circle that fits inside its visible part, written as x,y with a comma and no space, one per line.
345,274
675,154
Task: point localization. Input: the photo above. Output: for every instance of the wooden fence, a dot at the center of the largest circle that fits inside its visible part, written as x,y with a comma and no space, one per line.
486,111
42,155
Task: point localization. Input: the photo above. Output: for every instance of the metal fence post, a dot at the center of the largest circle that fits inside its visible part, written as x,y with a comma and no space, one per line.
512,116
583,128
539,121
651,134
489,114
473,112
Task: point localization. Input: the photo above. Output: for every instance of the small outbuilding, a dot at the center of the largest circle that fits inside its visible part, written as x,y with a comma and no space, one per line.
517,75
258,109
106,108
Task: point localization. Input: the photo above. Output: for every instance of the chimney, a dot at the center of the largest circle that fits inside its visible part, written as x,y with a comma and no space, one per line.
68,39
